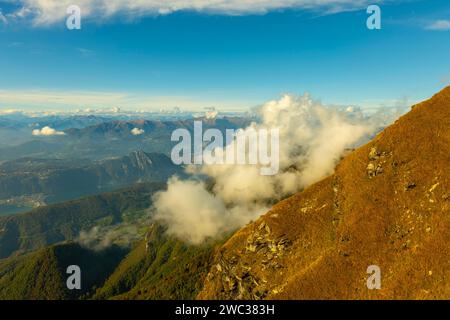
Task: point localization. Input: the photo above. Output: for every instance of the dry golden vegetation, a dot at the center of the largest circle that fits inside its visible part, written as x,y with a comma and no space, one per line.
388,204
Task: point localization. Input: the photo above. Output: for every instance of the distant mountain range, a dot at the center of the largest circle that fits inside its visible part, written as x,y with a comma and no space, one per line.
105,139
17,128
57,122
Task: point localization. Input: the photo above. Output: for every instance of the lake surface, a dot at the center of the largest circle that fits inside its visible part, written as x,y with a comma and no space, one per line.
11,209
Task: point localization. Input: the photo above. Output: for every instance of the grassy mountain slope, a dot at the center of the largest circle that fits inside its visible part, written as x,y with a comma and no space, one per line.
55,223
388,204
42,274
160,267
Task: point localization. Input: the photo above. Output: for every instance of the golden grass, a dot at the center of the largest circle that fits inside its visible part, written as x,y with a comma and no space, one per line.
398,220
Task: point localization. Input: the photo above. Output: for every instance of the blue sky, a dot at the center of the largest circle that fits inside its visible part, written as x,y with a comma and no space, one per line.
231,58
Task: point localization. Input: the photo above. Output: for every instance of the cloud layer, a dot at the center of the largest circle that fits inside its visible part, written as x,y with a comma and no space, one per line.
46,12
313,137
100,238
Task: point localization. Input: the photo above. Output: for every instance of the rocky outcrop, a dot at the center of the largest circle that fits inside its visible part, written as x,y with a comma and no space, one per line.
238,280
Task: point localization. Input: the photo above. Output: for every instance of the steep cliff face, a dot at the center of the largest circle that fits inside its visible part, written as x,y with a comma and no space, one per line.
388,204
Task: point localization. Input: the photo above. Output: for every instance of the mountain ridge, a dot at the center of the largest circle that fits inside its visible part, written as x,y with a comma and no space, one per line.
387,204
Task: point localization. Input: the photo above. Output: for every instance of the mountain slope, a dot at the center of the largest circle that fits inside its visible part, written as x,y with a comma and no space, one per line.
42,274
388,204
160,267
60,222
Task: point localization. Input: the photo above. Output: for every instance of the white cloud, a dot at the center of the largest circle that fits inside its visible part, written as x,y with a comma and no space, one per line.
137,132
3,19
45,12
312,139
47,131
211,114
439,25
193,214
100,238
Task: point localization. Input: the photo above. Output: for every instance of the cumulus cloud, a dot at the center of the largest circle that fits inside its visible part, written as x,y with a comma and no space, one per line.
439,25
211,113
194,214
313,138
99,238
47,131
45,12
137,131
